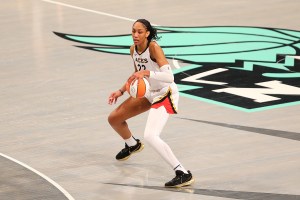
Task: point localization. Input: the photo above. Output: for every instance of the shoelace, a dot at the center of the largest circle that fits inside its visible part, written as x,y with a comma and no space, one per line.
126,147
178,177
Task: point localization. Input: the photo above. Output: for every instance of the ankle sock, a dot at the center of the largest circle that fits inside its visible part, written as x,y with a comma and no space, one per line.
131,141
181,168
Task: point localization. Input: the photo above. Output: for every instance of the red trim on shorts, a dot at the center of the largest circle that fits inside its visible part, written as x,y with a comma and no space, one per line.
167,103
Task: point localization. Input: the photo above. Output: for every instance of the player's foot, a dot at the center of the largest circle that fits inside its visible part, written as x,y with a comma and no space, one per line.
125,153
181,179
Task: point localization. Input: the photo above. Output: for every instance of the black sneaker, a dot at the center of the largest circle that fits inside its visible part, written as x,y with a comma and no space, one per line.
125,153
181,179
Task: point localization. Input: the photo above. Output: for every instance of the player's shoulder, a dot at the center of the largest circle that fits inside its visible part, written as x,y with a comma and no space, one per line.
132,49
154,46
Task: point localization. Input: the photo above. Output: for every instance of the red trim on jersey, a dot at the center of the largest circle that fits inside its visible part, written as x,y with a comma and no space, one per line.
167,103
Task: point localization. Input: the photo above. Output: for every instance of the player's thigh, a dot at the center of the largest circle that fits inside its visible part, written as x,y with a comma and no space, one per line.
130,108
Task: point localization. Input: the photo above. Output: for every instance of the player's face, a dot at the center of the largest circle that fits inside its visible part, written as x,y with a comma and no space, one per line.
139,33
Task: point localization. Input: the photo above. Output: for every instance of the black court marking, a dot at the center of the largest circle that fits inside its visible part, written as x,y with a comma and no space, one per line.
271,132
19,183
219,193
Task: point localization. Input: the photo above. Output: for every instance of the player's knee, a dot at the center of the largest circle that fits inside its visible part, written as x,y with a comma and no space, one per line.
149,139
112,119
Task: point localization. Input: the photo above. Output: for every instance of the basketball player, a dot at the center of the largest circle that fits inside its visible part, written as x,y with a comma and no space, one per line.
149,61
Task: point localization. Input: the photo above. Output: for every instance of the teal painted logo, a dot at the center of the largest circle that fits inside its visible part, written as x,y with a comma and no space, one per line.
245,68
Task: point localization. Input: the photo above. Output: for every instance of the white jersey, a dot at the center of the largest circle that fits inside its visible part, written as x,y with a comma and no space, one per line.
143,61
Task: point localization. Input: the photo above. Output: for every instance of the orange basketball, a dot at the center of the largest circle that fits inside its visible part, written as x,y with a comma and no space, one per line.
138,88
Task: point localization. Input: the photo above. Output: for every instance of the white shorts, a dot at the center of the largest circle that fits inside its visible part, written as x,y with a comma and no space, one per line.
167,97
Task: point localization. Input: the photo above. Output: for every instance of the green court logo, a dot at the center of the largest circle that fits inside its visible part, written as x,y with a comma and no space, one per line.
245,68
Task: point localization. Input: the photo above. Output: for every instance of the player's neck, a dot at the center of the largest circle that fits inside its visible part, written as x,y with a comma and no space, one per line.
142,47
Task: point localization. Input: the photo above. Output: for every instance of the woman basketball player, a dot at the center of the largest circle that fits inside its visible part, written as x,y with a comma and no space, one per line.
149,61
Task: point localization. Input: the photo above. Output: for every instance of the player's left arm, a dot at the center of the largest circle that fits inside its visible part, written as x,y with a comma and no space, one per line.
165,74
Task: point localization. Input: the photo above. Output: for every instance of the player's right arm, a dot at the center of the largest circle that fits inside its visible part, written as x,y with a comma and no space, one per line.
131,53
115,95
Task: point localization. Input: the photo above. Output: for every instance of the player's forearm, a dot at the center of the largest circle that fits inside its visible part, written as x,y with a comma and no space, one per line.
165,74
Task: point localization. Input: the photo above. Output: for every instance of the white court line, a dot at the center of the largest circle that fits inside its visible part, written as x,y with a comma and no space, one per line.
92,11
40,174
175,62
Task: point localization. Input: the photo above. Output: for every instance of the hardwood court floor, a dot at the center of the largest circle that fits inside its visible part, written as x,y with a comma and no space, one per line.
56,143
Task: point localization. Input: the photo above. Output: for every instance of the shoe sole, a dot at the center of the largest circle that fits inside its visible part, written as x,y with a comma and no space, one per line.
136,151
183,184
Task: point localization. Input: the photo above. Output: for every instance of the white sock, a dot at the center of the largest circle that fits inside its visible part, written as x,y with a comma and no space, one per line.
181,168
131,141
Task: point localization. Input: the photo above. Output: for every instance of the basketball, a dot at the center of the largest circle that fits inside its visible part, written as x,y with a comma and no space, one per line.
138,88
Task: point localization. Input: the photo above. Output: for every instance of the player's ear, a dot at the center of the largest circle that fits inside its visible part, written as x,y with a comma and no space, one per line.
147,34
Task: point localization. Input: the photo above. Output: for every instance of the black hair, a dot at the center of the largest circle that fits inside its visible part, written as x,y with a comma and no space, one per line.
150,28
